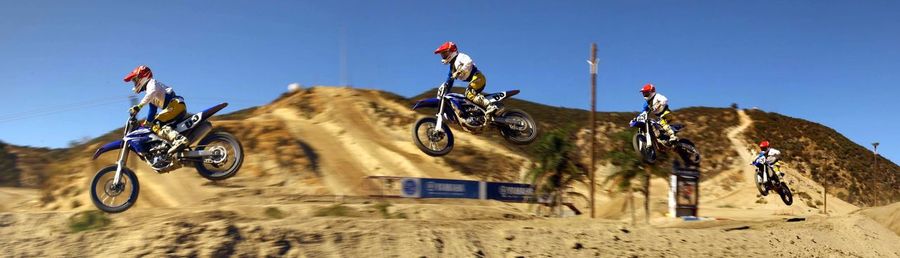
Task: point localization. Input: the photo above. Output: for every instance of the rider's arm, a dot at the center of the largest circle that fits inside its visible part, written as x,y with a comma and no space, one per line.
660,103
151,113
450,79
646,107
774,156
465,66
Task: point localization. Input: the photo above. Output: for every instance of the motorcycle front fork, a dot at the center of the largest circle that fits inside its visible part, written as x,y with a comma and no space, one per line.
440,117
123,160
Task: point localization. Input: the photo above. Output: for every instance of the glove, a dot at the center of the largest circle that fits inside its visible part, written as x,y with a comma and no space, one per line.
134,110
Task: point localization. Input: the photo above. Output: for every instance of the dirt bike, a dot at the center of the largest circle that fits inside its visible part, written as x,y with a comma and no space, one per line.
765,182
647,143
433,136
215,156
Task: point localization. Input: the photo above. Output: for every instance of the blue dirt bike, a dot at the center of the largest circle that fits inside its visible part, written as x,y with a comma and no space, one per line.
648,143
767,180
216,156
433,136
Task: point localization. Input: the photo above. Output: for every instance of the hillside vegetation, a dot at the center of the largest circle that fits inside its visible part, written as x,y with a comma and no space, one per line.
826,156
290,141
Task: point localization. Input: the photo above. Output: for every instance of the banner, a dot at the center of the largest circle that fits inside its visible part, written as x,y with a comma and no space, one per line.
509,192
440,188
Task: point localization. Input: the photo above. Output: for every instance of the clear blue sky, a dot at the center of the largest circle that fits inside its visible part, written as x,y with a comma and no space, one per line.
832,62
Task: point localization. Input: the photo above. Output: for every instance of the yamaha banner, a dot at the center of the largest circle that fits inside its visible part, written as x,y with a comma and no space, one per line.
440,188
509,192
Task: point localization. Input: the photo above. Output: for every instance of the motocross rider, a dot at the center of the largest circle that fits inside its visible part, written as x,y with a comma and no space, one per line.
463,68
158,96
658,105
772,157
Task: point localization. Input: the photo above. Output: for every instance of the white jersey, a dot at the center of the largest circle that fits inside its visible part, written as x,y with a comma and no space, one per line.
463,65
772,156
156,94
658,104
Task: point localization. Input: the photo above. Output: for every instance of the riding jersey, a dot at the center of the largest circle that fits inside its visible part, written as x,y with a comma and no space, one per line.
158,96
772,155
464,68
657,105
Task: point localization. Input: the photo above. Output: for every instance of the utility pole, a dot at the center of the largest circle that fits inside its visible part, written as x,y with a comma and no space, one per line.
825,191
875,154
593,63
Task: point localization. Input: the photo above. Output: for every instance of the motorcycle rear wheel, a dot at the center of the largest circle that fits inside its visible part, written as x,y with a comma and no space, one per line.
688,152
786,195
233,156
520,136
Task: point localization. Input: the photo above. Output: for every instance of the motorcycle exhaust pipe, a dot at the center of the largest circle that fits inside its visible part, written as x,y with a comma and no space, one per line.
507,121
195,154
199,132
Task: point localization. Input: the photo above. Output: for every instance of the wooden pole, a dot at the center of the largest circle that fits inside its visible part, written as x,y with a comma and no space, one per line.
875,155
825,192
593,62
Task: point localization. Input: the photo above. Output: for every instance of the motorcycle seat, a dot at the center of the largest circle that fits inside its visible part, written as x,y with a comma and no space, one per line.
498,96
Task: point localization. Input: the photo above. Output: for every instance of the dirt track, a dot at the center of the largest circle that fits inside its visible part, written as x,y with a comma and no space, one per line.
435,229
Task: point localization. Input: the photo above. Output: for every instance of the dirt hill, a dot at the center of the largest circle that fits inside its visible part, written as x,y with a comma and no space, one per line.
823,154
308,154
299,137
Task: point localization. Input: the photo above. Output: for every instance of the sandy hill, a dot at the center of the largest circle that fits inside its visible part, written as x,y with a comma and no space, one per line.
325,140
307,156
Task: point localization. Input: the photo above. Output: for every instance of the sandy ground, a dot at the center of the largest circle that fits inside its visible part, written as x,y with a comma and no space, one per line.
182,214
433,229
888,215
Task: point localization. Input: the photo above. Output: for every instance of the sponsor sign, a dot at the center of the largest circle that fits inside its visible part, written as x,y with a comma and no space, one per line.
509,192
447,188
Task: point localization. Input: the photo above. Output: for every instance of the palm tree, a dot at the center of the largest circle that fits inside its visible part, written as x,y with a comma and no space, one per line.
556,169
631,166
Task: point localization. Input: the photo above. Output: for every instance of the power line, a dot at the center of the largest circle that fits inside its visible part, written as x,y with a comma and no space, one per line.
61,110
59,106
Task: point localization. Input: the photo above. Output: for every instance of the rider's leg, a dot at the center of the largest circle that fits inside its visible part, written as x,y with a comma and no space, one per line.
776,168
173,111
473,93
665,120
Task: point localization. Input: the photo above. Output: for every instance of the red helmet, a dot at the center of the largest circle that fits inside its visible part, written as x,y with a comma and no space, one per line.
764,145
649,91
447,50
138,73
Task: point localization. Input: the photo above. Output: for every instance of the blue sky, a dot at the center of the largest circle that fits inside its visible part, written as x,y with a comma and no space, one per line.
832,62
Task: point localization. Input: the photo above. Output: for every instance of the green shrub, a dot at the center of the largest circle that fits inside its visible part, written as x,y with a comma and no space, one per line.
274,213
337,210
88,220
382,207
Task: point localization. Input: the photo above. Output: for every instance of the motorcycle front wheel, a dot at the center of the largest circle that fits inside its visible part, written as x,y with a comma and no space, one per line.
431,141
647,152
105,192
760,185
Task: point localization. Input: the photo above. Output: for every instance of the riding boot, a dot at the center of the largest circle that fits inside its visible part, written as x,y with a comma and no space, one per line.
489,107
169,134
667,129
